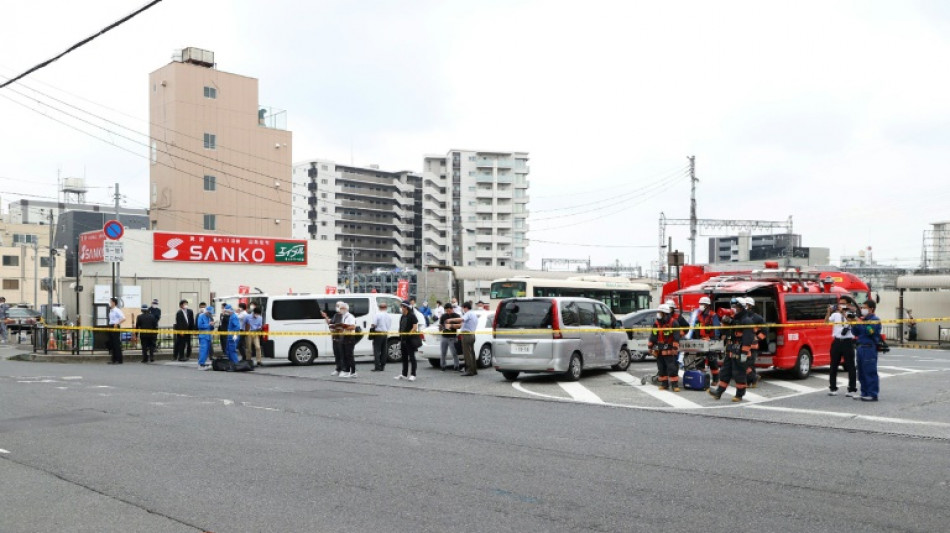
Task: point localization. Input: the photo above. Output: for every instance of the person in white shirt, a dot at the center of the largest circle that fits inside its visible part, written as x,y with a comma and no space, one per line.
438,311
380,330
842,346
348,342
116,318
242,340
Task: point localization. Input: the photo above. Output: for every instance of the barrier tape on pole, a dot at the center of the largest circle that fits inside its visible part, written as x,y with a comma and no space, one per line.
535,331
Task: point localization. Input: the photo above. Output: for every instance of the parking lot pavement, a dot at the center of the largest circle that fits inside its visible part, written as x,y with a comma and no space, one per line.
914,392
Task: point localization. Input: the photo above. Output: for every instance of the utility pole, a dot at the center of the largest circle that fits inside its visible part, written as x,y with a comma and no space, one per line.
352,268
36,273
117,275
52,259
692,209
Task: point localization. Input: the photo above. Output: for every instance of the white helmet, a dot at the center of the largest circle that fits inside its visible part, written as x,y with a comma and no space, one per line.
665,308
749,301
705,301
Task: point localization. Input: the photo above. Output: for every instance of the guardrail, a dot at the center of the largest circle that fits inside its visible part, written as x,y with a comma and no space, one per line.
79,342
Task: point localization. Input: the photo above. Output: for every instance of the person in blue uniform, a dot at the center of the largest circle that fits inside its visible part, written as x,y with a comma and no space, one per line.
205,324
234,326
868,335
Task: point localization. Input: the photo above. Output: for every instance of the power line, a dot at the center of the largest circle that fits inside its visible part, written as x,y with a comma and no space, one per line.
80,43
595,245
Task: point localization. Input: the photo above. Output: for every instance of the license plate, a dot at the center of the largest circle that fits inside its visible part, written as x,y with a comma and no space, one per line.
521,348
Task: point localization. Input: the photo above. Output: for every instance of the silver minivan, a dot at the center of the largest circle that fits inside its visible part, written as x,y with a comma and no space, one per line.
557,335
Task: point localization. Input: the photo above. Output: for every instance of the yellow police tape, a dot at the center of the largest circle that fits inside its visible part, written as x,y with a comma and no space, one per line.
793,325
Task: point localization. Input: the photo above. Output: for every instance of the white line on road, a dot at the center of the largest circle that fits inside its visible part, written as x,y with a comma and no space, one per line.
850,415
671,398
797,387
3,451
245,404
518,387
71,377
579,392
902,369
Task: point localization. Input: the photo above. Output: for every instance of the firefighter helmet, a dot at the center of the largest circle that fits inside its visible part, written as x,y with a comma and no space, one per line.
665,308
705,301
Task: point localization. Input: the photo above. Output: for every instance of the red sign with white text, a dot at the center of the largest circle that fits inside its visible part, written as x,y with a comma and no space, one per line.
402,289
196,248
92,247
330,289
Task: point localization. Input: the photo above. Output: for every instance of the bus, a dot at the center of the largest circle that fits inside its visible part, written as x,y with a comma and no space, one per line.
619,294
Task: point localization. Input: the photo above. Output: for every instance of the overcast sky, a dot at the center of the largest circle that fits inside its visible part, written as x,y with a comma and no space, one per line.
834,113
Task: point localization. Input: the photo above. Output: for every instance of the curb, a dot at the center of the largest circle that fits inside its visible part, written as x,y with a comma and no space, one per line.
70,358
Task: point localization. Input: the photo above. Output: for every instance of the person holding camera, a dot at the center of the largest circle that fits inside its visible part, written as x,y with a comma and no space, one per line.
868,335
842,345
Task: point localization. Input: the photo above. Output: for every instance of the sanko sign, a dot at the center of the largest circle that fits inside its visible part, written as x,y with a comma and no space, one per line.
92,247
191,248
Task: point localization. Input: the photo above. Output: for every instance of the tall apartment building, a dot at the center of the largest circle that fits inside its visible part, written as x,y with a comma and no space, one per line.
219,161
475,208
467,208
746,247
373,214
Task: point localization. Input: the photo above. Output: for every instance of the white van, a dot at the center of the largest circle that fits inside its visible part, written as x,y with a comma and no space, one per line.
297,330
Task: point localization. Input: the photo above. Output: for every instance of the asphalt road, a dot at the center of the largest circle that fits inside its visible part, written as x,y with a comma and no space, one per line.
89,447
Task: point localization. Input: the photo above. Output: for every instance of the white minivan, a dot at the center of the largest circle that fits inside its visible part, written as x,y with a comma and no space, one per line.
296,329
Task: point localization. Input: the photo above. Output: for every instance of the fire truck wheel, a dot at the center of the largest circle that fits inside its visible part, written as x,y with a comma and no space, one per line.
802,364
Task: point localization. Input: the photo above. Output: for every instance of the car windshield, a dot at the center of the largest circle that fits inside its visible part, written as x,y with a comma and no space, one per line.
525,314
19,312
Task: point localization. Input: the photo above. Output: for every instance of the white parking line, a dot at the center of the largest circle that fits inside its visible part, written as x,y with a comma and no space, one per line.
850,415
797,387
671,398
902,369
579,392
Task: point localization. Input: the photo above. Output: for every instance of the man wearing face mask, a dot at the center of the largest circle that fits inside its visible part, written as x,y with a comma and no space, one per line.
738,347
706,322
664,343
868,335
184,322
335,325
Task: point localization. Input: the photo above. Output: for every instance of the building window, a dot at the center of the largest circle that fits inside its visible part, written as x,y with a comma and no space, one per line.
20,238
323,237
44,262
209,222
210,141
211,92
11,260
323,181
209,183
11,284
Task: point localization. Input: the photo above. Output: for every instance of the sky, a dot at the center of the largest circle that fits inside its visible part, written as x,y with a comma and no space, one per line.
835,114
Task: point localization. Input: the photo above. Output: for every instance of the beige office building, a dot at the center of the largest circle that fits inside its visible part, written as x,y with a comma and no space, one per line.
24,249
219,161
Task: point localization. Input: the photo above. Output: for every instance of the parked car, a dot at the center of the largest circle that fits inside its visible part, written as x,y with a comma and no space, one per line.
432,343
557,335
638,320
21,319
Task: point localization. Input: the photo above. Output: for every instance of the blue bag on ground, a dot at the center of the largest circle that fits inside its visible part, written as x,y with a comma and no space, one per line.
695,380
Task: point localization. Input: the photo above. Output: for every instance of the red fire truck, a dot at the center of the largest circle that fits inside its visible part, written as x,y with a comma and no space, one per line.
796,301
695,274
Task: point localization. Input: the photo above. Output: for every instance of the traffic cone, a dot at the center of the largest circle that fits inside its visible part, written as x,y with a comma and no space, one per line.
69,342
52,342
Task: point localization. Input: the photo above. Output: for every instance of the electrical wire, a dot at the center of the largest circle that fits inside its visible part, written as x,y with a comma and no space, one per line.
80,43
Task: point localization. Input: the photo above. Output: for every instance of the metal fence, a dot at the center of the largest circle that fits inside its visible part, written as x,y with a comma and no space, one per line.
78,342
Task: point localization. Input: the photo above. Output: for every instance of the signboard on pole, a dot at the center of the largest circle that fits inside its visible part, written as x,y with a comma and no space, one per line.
113,230
113,252
402,290
197,248
243,289
91,247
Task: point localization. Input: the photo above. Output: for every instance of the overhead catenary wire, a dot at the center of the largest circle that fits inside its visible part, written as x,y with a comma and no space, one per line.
80,43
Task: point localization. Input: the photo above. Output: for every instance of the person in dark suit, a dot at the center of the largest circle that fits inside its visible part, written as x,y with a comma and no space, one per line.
147,320
184,324
156,311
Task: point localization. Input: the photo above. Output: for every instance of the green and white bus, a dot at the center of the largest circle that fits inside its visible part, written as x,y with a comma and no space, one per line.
620,295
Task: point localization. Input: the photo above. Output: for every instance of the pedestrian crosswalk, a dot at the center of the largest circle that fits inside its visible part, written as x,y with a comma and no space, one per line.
626,388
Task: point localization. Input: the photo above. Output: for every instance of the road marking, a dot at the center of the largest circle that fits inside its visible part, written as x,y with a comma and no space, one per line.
518,387
671,398
71,377
850,415
797,387
885,375
245,404
579,392
906,370
3,451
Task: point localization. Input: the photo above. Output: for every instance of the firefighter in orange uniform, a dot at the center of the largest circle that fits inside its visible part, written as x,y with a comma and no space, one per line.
758,345
738,349
706,322
665,344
